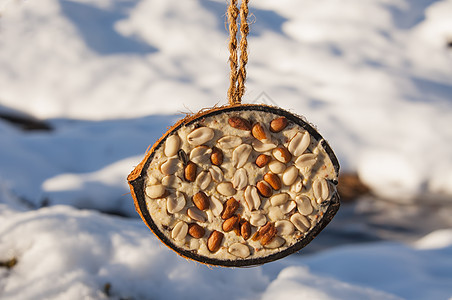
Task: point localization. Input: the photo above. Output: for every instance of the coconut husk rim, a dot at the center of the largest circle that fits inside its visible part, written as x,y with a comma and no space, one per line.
136,181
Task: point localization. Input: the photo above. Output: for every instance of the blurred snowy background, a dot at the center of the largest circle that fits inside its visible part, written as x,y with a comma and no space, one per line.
86,86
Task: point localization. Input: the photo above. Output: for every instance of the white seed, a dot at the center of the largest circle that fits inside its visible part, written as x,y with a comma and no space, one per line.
314,204
179,231
276,167
240,179
284,227
321,190
175,203
262,147
258,219
299,143
152,180
300,222
240,155
239,250
325,189
170,166
203,180
292,195
200,154
290,175
279,199
252,199
288,206
226,189
304,205
217,174
297,185
306,161
171,181
276,243
229,141
275,213
278,154
155,191
216,206
172,145
200,136
196,214
194,244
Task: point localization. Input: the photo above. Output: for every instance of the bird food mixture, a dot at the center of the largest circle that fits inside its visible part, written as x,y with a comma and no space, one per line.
239,185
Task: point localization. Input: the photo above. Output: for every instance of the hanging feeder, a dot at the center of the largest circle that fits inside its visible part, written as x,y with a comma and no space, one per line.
238,185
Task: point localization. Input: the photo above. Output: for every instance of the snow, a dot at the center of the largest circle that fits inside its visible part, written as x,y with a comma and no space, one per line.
66,253
110,77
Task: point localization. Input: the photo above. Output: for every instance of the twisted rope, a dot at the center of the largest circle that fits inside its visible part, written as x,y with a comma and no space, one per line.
238,74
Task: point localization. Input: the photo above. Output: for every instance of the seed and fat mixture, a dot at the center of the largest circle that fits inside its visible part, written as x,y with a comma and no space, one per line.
239,185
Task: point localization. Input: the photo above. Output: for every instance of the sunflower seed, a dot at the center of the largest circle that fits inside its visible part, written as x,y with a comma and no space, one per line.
240,179
183,157
226,189
175,203
179,231
304,205
252,198
200,154
300,222
170,166
290,175
276,167
217,174
229,141
299,143
284,227
258,219
240,155
200,136
239,250
203,180
196,214
172,145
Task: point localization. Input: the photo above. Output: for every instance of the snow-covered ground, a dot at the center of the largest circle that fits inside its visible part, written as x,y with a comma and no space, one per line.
109,77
